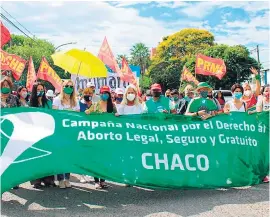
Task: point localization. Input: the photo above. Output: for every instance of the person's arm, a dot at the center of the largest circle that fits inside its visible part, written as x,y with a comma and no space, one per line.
258,84
55,104
77,108
91,109
226,108
193,114
259,105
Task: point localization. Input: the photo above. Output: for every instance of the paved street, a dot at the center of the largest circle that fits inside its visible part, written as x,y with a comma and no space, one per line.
84,200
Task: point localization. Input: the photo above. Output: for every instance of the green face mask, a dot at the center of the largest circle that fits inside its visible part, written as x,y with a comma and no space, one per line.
5,90
68,90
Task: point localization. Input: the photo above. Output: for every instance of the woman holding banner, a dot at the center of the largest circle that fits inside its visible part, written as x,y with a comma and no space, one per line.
23,96
202,106
7,99
87,99
263,103
104,105
38,99
66,101
249,97
237,104
130,104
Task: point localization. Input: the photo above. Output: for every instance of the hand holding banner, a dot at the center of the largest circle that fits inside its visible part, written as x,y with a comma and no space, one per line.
46,72
210,66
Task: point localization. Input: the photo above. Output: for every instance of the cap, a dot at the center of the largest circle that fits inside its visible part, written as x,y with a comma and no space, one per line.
50,93
104,89
119,91
203,85
155,87
90,84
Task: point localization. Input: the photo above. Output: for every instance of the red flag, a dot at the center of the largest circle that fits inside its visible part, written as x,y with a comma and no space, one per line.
127,74
107,57
46,72
13,63
210,66
31,75
5,35
187,76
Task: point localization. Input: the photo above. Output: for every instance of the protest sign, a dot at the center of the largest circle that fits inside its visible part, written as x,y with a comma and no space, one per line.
46,73
187,76
13,63
31,75
210,66
158,151
5,34
113,81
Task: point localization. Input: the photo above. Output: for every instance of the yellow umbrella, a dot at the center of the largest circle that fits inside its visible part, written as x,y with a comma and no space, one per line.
81,63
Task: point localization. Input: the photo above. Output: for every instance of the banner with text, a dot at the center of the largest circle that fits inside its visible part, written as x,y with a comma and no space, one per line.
210,66
46,73
13,63
113,81
161,151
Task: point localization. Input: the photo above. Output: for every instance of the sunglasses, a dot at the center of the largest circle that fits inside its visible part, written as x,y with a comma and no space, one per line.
71,86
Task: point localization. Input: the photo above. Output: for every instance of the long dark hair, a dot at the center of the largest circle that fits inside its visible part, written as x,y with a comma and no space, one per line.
222,96
264,87
19,90
34,97
109,103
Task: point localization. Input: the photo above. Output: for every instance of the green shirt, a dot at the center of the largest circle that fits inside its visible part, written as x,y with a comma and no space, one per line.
199,104
163,103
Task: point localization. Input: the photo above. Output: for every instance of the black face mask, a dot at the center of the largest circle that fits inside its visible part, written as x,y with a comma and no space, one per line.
156,94
87,98
210,96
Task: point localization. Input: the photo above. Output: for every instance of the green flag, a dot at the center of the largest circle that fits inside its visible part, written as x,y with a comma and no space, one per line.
162,151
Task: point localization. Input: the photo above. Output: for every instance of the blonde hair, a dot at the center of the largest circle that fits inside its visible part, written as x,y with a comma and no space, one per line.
88,90
136,100
73,98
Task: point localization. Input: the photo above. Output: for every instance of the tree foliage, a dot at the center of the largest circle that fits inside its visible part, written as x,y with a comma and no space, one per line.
37,48
181,48
140,56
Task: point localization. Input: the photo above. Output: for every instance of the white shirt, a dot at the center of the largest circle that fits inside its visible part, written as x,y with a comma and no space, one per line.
95,98
129,110
263,104
58,104
234,109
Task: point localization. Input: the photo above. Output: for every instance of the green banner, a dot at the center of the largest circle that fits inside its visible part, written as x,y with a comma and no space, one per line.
157,151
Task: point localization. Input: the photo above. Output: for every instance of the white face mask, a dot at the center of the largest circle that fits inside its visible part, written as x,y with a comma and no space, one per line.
247,92
148,97
24,95
131,97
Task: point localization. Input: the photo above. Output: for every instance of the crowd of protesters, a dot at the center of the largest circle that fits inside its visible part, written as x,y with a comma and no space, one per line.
200,101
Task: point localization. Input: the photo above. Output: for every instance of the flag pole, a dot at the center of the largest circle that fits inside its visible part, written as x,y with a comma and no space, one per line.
80,66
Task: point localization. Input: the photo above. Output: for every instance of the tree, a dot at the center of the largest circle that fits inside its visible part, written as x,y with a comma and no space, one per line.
181,48
174,51
37,48
120,57
145,82
140,55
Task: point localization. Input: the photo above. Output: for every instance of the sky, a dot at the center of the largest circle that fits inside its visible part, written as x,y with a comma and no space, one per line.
126,23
